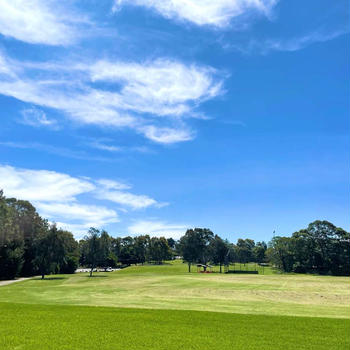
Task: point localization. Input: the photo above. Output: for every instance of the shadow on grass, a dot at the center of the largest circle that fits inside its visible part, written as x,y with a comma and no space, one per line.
95,276
49,278
155,264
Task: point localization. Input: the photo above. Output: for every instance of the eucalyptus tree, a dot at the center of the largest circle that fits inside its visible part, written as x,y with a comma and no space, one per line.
194,246
49,251
92,249
219,251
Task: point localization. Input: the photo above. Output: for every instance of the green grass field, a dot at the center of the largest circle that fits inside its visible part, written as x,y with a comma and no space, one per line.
157,307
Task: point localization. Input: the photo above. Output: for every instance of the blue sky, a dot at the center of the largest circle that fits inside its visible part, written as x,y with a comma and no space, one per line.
155,116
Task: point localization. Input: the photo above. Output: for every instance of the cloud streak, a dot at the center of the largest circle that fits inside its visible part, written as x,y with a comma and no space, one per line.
288,45
39,22
218,13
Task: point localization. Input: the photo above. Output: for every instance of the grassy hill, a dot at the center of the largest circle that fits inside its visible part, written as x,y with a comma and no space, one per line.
172,287
156,307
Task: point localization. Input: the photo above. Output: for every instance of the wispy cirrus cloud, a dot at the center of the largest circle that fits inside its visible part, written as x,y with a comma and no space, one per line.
127,199
114,191
299,43
104,147
166,135
265,46
218,13
145,96
40,22
56,150
108,184
107,144
37,118
57,196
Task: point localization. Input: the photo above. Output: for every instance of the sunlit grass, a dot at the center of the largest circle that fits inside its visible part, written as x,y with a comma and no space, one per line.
169,286
42,327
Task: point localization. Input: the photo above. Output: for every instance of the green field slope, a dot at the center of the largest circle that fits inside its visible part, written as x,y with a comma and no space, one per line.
157,307
171,287
36,327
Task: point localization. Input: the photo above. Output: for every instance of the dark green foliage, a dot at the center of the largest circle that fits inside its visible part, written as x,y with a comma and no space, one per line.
92,249
244,250
20,224
28,245
127,254
171,243
219,251
141,244
321,248
11,259
71,251
50,252
194,246
158,250
259,252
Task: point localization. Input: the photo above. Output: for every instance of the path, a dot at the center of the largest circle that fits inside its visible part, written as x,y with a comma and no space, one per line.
5,283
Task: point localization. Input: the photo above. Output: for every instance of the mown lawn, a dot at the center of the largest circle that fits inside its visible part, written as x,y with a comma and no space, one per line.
164,307
171,287
62,327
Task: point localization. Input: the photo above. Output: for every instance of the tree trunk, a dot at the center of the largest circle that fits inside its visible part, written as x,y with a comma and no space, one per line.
220,268
189,267
42,272
91,271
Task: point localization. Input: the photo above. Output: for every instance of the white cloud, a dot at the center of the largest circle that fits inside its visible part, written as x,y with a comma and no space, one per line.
166,135
37,118
79,230
5,68
158,229
91,215
41,185
164,88
113,185
37,22
104,147
56,196
217,13
128,199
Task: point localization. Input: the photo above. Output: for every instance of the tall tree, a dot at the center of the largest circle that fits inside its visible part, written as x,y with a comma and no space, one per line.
49,251
92,249
219,250
281,254
71,249
259,251
244,250
158,250
194,246
141,244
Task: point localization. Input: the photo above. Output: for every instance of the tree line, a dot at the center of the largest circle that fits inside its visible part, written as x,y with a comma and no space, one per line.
320,248
29,246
